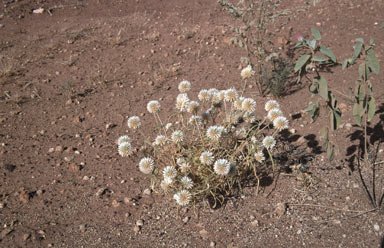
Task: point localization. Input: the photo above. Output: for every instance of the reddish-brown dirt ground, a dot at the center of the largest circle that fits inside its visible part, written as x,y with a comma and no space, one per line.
69,77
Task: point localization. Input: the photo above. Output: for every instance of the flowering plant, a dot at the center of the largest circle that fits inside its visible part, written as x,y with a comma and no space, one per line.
213,144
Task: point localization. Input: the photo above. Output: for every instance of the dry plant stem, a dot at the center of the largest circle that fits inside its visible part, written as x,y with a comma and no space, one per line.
364,184
273,162
245,85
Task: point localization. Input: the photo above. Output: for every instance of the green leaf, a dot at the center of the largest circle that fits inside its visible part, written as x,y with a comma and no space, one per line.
362,93
372,42
362,72
335,119
360,40
313,110
372,61
357,51
314,87
330,151
319,59
356,113
316,33
328,53
311,43
323,88
324,133
345,64
301,62
371,109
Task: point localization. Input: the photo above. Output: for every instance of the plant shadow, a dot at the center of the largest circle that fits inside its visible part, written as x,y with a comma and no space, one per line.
375,137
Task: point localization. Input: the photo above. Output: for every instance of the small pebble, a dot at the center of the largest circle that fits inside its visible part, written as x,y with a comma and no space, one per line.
139,222
115,203
280,209
147,191
299,231
136,229
26,236
186,219
204,234
376,227
82,227
212,244
59,148
68,158
51,150
255,223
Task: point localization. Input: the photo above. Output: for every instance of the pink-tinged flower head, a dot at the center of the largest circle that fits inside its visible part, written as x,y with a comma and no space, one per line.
299,37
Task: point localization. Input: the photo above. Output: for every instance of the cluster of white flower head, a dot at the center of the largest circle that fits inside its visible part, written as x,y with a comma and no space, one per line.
275,115
124,146
186,168
134,122
183,197
247,72
177,136
222,167
207,158
182,102
153,107
215,132
184,165
146,165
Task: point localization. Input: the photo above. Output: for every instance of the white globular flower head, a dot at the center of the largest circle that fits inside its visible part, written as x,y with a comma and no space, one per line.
193,107
259,156
248,105
238,103
125,149
166,184
271,104
204,95
169,172
269,142
182,102
215,132
247,72
231,95
207,158
146,165
222,167
216,98
182,197
186,182
153,107
249,117
184,86
134,122
184,167
195,120
160,140
123,139
212,91
274,113
280,123
221,95
177,136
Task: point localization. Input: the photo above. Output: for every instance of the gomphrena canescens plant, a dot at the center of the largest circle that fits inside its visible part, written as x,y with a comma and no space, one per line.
214,142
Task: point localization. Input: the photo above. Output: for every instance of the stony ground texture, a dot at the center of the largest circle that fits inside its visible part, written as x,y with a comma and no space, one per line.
70,76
